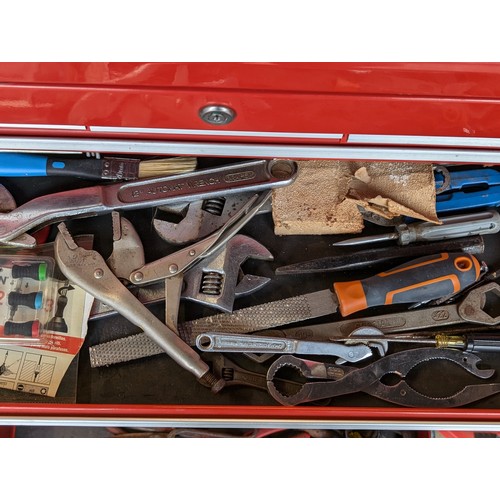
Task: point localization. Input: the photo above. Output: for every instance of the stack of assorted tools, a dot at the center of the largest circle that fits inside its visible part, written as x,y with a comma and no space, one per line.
436,294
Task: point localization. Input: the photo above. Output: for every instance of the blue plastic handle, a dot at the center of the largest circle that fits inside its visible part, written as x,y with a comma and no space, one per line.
461,200
22,164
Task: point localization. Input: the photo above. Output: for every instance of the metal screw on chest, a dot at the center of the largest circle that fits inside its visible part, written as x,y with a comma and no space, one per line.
173,268
217,115
98,273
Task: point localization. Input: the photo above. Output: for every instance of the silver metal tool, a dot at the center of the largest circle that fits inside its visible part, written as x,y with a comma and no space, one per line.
217,342
267,318
87,269
170,268
246,320
218,280
456,226
330,380
201,218
257,175
128,252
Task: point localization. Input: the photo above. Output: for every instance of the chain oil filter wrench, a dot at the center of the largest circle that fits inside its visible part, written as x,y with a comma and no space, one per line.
27,295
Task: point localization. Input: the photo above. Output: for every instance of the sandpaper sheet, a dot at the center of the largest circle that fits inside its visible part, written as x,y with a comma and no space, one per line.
326,194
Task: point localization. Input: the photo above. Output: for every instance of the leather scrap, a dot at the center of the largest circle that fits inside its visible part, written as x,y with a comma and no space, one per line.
398,189
326,194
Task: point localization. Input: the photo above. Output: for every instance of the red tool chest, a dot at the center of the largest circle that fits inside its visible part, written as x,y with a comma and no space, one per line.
448,113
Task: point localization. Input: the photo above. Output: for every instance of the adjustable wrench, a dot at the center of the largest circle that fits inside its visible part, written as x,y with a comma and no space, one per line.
213,342
200,218
216,281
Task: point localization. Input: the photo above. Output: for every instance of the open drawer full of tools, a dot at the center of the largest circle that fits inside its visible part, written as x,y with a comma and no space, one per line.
197,300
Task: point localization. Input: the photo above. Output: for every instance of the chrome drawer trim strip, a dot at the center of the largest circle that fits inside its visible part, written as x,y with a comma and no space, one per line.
248,150
423,140
414,425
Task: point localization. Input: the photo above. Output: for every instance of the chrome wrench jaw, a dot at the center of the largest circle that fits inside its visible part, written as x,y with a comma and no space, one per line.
378,342
216,281
200,218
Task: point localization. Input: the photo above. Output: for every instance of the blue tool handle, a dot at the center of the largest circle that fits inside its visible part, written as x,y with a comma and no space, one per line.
22,164
469,177
35,165
460,200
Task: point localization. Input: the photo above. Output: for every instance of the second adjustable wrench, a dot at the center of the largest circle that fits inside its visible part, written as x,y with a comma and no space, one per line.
217,282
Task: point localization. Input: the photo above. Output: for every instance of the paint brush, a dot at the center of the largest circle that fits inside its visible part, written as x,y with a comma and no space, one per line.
105,168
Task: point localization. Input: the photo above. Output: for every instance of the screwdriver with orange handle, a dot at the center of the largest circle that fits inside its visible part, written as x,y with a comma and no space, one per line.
419,280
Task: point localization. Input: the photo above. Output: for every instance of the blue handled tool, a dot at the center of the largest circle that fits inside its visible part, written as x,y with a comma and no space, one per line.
37,165
471,188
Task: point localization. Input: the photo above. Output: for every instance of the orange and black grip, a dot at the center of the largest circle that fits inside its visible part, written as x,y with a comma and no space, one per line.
419,280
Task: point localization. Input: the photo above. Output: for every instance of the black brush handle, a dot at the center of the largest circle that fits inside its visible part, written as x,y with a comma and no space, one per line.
94,168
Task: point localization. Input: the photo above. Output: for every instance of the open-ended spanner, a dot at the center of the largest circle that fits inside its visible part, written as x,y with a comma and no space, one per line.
255,175
331,381
472,309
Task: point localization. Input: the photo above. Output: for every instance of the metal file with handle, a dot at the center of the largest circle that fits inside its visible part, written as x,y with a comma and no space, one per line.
415,281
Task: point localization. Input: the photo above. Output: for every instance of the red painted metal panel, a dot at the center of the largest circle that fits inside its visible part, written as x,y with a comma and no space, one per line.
367,98
415,79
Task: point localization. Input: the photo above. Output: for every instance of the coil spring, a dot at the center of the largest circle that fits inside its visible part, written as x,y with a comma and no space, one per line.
215,206
228,374
211,283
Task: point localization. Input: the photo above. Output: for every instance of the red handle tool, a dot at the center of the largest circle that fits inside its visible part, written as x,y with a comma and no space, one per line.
419,280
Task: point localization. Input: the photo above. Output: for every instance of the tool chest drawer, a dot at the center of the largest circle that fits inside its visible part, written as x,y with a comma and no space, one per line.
122,377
